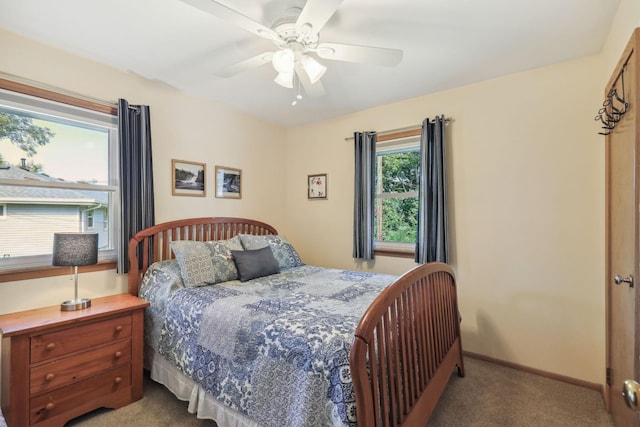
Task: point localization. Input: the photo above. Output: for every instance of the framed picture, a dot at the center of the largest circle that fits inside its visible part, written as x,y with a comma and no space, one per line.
317,186
188,178
228,183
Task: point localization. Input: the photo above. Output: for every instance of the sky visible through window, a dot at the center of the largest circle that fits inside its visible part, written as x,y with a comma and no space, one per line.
73,154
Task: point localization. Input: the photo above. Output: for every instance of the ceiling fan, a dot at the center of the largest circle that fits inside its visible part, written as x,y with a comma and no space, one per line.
296,36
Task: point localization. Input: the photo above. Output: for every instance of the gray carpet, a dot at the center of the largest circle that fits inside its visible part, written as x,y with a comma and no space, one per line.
494,395
489,395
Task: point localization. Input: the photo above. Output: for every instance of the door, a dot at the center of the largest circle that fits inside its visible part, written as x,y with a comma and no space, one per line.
622,244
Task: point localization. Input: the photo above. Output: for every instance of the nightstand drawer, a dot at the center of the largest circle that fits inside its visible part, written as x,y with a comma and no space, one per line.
61,372
56,344
49,405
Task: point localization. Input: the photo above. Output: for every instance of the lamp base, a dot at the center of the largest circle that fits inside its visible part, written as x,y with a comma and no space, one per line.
75,304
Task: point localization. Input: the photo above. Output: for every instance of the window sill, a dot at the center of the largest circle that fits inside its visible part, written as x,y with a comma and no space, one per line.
398,253
50,271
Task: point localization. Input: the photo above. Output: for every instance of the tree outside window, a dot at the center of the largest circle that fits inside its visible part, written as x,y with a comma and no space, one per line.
396,208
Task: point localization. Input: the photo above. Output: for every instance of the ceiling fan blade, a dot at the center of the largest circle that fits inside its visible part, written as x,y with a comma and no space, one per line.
362,54
235,18
247,64
313,90
316,13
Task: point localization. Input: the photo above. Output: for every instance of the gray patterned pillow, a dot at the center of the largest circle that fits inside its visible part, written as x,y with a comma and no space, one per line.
283,251
222,259
204,263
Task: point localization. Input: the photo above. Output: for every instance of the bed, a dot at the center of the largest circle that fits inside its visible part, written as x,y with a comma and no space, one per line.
292,344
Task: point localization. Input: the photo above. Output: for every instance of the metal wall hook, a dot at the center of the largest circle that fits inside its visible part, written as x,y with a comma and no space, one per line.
613,108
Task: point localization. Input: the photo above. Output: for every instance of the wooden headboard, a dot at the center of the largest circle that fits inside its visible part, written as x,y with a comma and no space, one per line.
152,244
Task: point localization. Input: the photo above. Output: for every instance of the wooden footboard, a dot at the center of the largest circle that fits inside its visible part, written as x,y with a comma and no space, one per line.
152,244
406,347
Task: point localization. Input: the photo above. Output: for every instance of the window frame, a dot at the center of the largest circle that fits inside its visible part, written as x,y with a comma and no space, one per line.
395,249
74,100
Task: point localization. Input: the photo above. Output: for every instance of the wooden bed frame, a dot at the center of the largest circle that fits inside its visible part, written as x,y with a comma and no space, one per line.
406,345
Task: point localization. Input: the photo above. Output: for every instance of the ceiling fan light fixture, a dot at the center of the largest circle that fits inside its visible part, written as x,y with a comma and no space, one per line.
285,80
313,68
283,61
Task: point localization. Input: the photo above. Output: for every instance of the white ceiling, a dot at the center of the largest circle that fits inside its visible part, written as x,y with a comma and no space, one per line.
446,44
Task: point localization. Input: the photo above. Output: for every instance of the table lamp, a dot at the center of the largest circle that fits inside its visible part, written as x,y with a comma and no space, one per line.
75,249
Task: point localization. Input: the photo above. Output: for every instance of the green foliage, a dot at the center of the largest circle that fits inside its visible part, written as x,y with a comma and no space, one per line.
400,174
21,131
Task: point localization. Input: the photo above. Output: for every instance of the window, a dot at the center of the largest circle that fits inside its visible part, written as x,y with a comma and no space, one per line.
90,220
3,211
58,173
396,204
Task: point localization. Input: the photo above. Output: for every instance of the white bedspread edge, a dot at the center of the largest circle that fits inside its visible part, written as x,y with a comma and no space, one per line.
184,388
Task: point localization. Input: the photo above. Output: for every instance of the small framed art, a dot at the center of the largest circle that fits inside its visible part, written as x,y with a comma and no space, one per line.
228,183
188,178
317,186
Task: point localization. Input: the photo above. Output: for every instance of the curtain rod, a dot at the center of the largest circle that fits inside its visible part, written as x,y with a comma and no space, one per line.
404,129
40,85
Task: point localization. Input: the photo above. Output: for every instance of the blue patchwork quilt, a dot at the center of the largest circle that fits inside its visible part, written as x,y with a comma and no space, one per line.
275,348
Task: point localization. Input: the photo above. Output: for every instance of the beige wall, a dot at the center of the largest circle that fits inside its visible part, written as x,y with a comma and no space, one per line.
527,205
527,195
526,185
182,127
625,21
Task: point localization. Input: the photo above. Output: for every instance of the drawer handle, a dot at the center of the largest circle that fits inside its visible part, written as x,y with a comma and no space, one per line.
117,380
50,377
50,346
119,328
50,406
118,355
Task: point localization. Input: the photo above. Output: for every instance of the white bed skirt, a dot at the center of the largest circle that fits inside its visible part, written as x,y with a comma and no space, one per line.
200,403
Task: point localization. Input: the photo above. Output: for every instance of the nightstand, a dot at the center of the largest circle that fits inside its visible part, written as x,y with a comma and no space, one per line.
57,365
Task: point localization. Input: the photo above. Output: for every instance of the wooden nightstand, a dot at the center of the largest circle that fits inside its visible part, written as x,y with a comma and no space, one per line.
57,365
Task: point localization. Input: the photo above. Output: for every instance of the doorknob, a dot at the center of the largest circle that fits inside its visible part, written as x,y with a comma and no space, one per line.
629,279
630,391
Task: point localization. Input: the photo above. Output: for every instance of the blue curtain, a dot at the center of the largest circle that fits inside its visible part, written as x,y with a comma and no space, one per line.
365,166
136,175
431,240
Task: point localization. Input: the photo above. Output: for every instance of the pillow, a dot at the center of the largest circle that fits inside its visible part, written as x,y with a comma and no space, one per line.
255,263
283,251
203,263
225,268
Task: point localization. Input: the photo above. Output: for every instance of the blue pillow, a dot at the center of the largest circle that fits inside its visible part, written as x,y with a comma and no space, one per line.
255,263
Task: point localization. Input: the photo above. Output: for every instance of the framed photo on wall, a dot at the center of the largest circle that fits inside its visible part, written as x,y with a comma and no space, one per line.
188,178
317,186
228,183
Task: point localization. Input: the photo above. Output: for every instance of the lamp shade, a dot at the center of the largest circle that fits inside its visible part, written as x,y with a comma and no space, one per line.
314,69
74,249
283,61
285,80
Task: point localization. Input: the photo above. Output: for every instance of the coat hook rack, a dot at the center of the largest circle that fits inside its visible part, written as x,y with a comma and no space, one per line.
613,108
